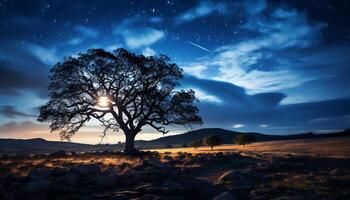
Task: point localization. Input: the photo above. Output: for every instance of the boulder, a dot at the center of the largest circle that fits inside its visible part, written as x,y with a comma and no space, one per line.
58,171
229,176
2,191
39,174
336,172
105,181
155,163
225,196
70,179
87,169
35,187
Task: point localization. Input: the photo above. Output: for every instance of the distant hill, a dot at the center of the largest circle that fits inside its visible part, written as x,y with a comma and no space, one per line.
227,136
38,145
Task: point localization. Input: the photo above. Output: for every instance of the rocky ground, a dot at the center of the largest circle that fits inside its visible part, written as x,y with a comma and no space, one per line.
109,175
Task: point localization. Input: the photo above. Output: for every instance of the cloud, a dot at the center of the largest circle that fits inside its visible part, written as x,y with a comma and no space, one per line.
22,127
46,55
10,111
237,125
252,63
156,20
263,110
203,9
202,96
86,32
135,37
231,94
148,52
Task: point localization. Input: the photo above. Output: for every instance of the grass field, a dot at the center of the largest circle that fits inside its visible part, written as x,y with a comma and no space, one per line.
327,147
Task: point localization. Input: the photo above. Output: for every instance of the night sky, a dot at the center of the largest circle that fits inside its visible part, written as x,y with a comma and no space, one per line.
276,67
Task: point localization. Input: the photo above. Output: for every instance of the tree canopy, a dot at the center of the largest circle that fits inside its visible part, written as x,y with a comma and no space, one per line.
212,141
243,139
121,90
195,144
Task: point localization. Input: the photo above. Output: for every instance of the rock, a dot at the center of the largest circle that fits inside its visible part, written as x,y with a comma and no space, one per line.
58,171
130,177
35,187
60,153
87,169
39,174
225,196
120,197
127,192
2,191
229,176
155,163
70,179
336,172
105,181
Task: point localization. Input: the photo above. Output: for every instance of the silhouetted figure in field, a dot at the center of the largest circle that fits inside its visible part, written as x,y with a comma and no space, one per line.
121,90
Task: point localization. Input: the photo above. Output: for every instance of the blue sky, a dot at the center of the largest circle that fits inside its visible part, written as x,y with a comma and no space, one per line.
275,67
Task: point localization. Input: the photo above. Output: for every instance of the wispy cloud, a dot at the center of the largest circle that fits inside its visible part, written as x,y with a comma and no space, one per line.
10,111
87,32
237,126
204,8
46,55
84,33
148,52
135,37
203,96
244,63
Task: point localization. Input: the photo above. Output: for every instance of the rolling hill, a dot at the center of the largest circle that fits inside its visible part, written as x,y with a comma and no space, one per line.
38,145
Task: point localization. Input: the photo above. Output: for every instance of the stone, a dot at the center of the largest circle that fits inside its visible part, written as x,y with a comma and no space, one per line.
87,169
2,191
229,176
70,179
58,171
155,163
105,181
39,174
35,187
336,172
225,196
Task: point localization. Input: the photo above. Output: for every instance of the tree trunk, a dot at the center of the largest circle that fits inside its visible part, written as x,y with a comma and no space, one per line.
129,144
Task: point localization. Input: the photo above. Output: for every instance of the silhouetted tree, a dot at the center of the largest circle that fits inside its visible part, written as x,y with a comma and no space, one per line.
211,141
195,144
244,139
121,90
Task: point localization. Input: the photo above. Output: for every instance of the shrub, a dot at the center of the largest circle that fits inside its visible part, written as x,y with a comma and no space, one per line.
211,141
244,139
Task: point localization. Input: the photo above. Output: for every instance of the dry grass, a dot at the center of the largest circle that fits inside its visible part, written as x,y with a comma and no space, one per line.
22,167
327,147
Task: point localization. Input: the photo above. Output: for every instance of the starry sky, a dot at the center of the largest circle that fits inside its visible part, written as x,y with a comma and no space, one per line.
277,67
